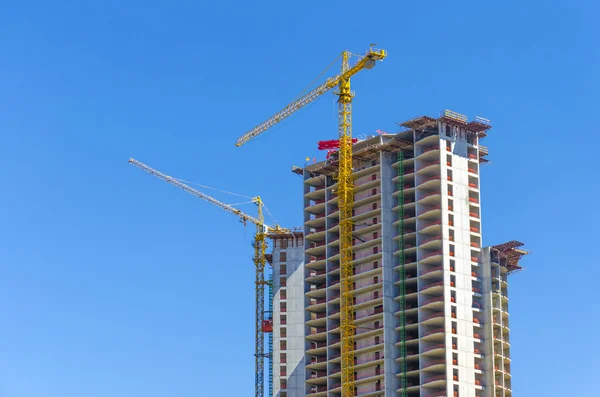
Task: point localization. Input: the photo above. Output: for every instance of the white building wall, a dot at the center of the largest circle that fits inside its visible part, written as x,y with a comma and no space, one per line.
294,314
463,324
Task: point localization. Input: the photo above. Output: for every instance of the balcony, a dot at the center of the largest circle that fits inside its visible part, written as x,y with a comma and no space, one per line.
364,313
316,260
317,374
316,233
434,380
431,271
315,193
334,385
431,211
366,391
365,330
368,358
367,344
429,153
409,276
317,362
431,254
430,182
316,291
434,348
430,226
435,332
368,373
369,298
432,317
315,221
317,316
313,275
317,348
318,389
436,364
316,249
432,287
430,242
428,166
436,301
316,207
365,283
409,184
409,383
430,197
317,332
366,267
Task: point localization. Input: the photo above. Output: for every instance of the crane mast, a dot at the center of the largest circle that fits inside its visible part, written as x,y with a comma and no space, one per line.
260,248
259,259
345,193
345,203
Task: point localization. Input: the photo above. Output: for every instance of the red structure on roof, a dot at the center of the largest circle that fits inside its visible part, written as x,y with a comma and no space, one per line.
332,144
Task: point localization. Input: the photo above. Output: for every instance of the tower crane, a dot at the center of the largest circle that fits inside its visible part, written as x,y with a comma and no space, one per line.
345,189
260,247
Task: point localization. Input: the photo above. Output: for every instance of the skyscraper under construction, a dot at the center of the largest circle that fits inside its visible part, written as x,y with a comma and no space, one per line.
430,303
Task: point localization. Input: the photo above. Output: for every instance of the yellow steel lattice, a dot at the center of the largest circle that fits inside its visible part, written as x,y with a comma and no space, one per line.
346,200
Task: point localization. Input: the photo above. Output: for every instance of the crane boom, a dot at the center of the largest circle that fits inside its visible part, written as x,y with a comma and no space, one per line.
245,217
366,62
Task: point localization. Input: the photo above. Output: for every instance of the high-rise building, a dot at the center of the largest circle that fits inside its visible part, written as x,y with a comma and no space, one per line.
430,305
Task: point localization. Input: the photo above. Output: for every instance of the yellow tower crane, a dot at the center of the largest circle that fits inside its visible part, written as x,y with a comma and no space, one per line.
260,247
345,189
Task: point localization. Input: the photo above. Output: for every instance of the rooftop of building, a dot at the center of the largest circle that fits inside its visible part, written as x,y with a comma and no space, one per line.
366,149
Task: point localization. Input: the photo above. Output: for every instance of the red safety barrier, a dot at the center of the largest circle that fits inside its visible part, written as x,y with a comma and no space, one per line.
331,144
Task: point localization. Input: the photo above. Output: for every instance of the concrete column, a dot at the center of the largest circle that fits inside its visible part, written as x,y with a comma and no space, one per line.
388,263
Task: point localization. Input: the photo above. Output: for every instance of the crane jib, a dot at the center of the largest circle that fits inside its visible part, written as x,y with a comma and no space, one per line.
366,62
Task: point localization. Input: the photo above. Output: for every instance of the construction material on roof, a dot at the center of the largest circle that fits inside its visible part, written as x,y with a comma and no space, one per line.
508,255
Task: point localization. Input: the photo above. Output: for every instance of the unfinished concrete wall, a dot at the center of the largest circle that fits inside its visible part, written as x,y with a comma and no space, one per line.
288,317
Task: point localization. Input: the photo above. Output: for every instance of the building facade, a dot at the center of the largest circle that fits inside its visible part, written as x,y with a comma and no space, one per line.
430,305
288,347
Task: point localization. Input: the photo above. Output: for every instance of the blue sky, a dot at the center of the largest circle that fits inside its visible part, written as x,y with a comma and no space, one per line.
113,283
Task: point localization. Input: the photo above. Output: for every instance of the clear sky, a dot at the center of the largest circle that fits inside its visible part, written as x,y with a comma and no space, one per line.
113,283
